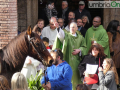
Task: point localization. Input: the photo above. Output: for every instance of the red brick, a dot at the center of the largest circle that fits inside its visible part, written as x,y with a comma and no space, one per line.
12,0
3,11
12,17
8,19
14,28
5,30
11,37
12,5
2,0
12,21
3,17
3,45
7,8
3,27
3,37
14,14
4,3
4,14
3,6
3,21
12,11
2,32
6,40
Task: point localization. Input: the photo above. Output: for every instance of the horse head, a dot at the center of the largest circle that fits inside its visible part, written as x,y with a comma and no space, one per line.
37,48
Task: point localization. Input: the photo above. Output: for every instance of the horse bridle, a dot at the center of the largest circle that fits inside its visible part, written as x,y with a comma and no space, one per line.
43,61
31,42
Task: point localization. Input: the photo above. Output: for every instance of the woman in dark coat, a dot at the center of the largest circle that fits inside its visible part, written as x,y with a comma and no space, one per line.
86,23
114,43
95,56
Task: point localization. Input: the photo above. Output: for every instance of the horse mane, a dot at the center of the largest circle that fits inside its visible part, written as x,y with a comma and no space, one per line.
16,50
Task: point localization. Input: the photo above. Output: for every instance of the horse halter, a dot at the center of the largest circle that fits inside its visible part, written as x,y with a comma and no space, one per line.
31,42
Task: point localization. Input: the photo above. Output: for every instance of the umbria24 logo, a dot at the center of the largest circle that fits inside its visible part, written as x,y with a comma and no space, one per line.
104,4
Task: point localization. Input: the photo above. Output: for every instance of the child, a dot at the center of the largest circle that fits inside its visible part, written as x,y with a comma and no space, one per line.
39,27
46,42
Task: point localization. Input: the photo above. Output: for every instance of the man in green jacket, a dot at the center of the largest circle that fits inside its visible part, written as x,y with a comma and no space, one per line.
97,34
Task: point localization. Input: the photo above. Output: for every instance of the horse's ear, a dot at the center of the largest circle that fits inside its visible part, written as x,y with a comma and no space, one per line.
29,31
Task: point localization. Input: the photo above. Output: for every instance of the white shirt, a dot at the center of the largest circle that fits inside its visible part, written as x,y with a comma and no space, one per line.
50,34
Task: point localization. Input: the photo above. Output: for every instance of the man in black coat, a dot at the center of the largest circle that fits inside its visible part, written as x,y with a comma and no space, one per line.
48,12
81,11
80,27
63,13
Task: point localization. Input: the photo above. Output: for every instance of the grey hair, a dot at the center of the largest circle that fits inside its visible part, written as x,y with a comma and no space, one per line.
87,18
65,2
72,12
52,18
73,23
61,19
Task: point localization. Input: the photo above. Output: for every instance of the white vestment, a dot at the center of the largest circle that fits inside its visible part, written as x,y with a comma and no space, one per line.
30,69
50,34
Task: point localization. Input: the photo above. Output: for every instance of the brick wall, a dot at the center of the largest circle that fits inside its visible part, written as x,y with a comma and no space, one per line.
8,21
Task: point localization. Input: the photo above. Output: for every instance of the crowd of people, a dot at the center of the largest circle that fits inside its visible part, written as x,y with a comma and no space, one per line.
74,42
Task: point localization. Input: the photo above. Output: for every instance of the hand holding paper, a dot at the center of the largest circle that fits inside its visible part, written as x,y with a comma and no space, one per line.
91,69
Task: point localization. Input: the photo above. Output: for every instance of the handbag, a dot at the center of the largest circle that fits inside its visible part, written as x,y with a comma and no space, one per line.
91,80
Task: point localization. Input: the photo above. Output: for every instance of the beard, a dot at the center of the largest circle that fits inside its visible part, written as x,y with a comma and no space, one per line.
55,62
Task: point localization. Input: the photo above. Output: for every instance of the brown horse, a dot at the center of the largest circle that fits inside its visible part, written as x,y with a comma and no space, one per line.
13,55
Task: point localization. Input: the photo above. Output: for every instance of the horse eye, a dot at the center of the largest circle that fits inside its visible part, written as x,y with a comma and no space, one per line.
38,44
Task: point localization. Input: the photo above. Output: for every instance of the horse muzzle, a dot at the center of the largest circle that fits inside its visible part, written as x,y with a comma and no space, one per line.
50,63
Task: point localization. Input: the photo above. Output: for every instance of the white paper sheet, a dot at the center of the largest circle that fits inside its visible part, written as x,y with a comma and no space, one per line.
91,69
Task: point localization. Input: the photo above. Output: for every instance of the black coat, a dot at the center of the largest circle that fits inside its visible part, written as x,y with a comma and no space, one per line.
43,15
87,26
83,31
84,12
66,16
89,59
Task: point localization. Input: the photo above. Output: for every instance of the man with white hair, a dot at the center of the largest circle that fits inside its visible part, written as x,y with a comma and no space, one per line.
63,13
50,31
73,48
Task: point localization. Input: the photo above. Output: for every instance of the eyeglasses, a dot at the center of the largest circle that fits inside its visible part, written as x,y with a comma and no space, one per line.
79,22
51,24
60,22
96,21
55,50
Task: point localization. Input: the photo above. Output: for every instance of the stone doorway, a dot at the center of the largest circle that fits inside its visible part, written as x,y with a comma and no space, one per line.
27,13
73,5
